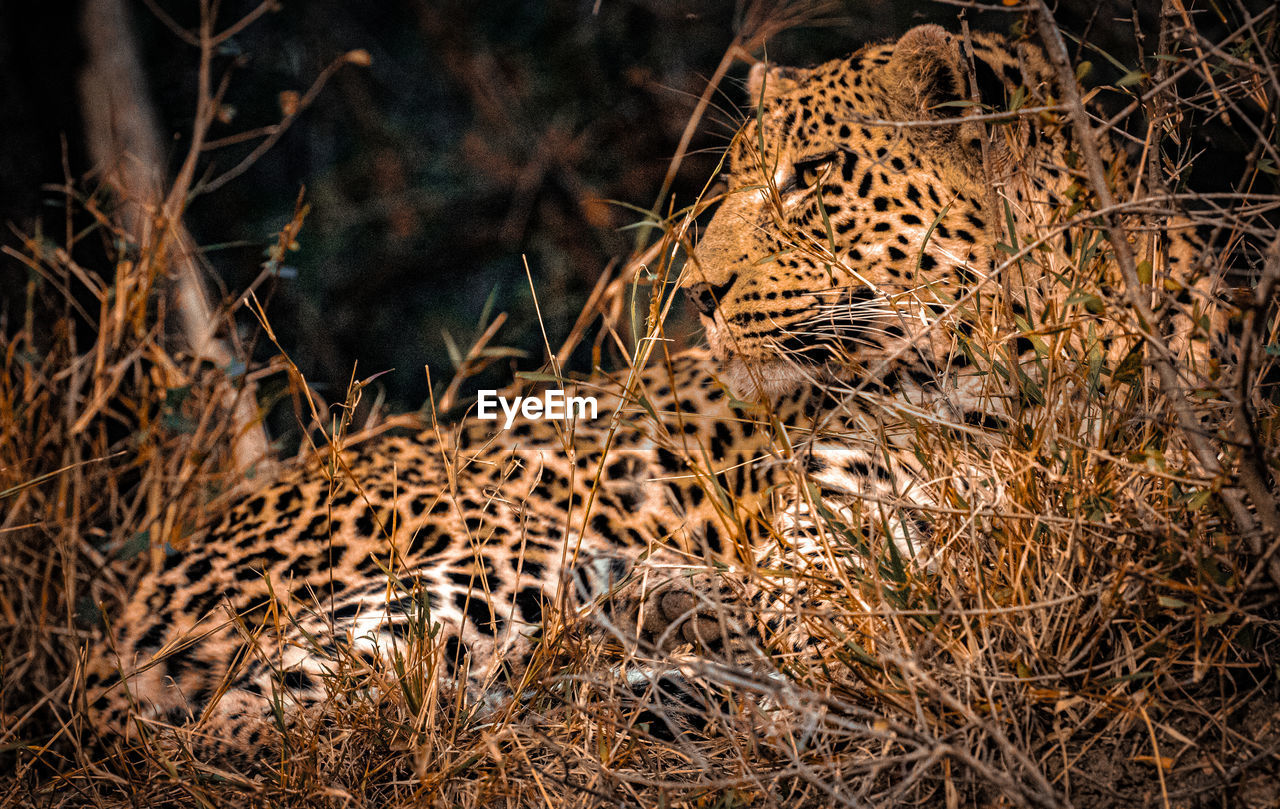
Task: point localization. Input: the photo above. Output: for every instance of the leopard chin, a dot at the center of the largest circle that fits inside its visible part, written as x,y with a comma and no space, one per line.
771,380
766,377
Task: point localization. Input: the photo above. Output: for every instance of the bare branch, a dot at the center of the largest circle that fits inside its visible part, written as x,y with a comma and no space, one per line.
276,132
122,134
1161,357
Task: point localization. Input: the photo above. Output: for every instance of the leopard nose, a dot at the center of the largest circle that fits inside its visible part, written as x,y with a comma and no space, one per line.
706,296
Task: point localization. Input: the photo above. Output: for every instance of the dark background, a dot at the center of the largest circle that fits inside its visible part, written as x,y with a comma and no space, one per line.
482,132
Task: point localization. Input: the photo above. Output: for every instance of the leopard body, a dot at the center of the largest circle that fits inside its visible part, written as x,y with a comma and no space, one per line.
853,277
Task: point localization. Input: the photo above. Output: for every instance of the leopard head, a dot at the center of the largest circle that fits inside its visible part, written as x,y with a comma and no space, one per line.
859,209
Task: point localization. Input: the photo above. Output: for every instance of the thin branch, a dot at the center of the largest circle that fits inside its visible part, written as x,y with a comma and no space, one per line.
1161,357
275,133
122,133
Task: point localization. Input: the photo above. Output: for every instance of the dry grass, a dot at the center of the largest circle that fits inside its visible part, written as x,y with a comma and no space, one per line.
1102,632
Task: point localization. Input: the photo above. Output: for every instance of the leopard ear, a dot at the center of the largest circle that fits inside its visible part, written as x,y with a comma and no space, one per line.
925,71
767,82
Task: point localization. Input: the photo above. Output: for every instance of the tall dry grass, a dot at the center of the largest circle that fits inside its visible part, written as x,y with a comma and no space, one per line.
1099,628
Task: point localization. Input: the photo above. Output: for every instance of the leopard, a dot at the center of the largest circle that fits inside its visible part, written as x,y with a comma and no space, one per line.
857,273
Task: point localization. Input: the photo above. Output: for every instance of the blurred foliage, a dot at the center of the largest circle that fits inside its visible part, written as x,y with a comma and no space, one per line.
481,135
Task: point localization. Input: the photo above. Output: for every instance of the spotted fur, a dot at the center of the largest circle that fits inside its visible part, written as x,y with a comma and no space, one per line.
848,258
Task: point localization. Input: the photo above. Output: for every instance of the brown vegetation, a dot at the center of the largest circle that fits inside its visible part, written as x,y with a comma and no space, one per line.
1108,640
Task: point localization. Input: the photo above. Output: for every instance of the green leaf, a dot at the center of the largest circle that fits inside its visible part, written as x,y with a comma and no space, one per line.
487,311
1129,367
1092,303
1019,98
455,356
538,376
134,545
1131,78
501,351
928,234
174,397
177,423
961,103
1199,499
88,614
1009,223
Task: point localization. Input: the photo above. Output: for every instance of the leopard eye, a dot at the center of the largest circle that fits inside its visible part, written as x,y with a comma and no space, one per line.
811,172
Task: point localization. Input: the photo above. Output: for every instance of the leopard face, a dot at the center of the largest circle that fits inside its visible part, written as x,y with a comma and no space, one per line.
856,214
